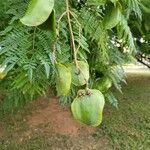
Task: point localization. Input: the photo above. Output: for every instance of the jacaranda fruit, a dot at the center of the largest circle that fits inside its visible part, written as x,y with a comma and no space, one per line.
63,82
103,84
50,23
112,18
88,106
79,76
38,12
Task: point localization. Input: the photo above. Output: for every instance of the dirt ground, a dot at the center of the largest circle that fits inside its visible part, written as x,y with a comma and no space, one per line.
46,118
47,125
57,118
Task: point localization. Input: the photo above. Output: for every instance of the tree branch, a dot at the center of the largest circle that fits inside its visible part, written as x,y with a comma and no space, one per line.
140,61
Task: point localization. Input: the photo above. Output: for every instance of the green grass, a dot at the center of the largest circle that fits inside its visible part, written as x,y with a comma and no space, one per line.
127,128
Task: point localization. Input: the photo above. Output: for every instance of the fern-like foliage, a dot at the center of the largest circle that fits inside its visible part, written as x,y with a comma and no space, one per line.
132,6
124,33
29,54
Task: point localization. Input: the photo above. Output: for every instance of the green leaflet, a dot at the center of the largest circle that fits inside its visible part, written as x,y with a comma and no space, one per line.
38,12
79,76
63,82
145,6
2,75
147,26
113,17
146,23
87,107
2,72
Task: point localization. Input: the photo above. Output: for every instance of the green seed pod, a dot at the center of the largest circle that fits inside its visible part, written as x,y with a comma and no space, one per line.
50,23
88,106
38,12
79,76
103,84
63,82
113,17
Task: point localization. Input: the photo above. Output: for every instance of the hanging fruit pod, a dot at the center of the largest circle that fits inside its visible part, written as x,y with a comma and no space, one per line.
88,106
38,12
103,84
63,82
112,17
50,23
79,75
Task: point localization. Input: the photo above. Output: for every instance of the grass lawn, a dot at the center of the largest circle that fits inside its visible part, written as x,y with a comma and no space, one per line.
127,128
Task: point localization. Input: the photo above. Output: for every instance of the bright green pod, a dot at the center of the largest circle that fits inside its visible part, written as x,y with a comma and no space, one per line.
88,106
50,23
103,84
79,76
63,82
38,12
113,17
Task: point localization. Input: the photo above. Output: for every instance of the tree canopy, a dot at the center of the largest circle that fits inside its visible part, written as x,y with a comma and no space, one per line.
92,39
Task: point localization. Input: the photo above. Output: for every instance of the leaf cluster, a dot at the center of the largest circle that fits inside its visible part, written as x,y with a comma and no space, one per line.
30,53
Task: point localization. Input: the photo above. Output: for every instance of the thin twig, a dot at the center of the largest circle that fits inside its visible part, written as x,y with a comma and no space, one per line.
73,41
57,36
71,33
33,41
58,22
79,31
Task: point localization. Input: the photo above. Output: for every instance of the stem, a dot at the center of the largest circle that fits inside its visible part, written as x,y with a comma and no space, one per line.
57,37
33,41
71,33
68,12
142,62
54,51
58,22
79,31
